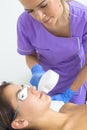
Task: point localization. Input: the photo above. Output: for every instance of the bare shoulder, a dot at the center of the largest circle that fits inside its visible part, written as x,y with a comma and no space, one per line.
77,116
68,107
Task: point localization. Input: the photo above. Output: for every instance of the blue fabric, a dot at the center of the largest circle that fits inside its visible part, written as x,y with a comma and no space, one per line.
65,97
37,72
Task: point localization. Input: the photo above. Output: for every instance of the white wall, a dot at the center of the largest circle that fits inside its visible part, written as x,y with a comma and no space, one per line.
83,1
12,65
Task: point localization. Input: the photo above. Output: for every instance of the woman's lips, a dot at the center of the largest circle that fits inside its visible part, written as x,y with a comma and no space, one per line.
41,94
47,21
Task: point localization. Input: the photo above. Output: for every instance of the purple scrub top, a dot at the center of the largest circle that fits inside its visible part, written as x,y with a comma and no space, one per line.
64,55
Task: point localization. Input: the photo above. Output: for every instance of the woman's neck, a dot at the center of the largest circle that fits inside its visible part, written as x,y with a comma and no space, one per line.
53,121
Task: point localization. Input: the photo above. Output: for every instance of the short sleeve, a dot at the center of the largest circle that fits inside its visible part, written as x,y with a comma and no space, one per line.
84,39
24,46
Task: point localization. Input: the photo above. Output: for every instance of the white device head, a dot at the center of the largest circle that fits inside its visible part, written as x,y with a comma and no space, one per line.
48,81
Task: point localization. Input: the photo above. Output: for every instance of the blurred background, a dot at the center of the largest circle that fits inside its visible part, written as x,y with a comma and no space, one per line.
12,65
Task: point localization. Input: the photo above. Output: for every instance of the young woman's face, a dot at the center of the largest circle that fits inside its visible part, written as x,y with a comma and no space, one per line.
32,107
48,12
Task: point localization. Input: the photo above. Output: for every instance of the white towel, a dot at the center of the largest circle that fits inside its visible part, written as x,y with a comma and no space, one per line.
56,105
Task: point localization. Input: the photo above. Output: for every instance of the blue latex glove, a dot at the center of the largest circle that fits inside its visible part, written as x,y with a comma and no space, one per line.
37,72
65,97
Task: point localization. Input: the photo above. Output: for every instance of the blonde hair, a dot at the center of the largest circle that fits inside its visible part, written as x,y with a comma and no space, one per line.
63,2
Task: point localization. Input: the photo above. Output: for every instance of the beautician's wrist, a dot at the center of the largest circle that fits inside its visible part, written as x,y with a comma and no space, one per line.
74,88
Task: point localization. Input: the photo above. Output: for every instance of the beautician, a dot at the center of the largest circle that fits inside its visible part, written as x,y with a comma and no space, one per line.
52,34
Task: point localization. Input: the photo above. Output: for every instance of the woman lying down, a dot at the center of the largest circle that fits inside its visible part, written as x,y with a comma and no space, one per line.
25,108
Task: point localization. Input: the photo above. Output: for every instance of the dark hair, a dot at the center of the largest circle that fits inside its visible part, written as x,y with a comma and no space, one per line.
6,111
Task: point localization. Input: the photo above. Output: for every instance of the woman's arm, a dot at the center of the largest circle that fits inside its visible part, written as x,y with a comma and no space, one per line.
36,69
70,92
31,60
81,78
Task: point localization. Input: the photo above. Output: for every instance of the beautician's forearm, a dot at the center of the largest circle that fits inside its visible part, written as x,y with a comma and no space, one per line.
31,60
80,79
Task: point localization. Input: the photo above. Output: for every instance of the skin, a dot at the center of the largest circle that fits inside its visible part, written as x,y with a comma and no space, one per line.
43,11
32,100
41,116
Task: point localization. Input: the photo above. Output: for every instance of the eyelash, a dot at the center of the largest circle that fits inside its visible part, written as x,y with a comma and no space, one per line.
20,89
40,7
44,6
30,11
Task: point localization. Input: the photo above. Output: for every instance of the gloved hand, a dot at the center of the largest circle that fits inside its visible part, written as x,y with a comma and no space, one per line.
65,97
37,72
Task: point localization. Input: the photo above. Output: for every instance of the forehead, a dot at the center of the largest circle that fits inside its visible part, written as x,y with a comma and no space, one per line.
31,3
11,90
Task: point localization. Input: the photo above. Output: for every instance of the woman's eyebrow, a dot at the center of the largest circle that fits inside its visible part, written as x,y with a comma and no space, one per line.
36,6
18,93
41,3
19,90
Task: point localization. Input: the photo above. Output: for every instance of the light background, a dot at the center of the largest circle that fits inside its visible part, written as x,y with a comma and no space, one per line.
12,65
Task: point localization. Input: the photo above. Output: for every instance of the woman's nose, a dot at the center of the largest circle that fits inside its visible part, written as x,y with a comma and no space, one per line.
39,15
32,89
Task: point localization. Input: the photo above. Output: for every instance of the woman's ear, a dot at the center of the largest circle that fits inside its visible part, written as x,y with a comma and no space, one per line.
19,123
